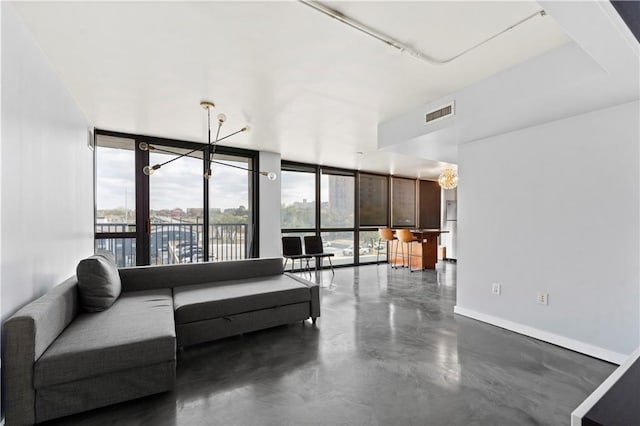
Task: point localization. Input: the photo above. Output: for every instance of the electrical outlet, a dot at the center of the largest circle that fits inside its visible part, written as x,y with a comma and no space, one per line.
543,298
496,289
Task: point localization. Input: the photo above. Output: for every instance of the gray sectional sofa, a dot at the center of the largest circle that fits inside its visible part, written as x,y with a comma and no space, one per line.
60,359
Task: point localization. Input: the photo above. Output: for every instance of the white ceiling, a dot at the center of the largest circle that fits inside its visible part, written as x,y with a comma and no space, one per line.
309,87
598,68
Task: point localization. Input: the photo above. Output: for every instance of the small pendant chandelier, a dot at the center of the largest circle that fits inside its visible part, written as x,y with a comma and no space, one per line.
448,179
149,170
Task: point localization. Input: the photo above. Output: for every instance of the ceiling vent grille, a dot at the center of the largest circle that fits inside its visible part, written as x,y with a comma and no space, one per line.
440,113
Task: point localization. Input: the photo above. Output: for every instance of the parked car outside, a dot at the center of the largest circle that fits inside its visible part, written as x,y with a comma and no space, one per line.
349,251
189,253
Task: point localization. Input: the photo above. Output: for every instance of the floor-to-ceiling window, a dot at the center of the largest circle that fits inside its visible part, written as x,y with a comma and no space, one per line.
337,215
175,208
373,196
403,202
175,215
298,212
115,198
231,233
298,200
344,207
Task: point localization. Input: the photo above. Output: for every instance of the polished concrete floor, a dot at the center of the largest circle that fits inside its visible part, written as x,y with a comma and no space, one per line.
387,350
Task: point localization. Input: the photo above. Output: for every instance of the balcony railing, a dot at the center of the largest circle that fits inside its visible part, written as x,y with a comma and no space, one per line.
172,243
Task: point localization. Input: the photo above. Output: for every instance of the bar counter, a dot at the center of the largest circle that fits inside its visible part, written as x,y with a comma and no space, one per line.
424,252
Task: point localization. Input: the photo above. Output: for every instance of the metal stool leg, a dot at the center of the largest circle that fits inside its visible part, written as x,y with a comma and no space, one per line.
308,268
395,257
409,244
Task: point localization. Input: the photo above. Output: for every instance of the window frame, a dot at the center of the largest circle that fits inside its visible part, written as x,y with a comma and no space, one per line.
142,191
286,165
290,166
392,222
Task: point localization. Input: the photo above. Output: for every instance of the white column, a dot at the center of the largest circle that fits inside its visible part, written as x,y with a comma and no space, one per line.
269,197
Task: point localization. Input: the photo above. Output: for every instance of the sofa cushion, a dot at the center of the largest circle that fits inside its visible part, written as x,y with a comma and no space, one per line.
138,330
98,282
207,301
184,274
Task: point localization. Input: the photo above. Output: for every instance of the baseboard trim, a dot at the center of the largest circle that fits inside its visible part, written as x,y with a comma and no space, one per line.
556,339
582,410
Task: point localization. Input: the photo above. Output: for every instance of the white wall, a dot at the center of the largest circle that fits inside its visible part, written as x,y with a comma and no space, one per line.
555,208
597,69
46,175
1,316
449,239
269,196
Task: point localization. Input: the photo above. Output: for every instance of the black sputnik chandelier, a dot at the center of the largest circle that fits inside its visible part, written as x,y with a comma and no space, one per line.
212,145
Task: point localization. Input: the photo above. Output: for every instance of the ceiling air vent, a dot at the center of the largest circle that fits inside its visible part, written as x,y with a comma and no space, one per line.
440,113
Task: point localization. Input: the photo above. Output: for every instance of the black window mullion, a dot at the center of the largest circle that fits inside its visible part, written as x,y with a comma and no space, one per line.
110,235
356,218
297,230
205,205
143,220
318,207
254,248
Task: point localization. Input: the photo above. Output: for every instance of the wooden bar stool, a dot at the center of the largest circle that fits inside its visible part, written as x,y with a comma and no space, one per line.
406,237
386,235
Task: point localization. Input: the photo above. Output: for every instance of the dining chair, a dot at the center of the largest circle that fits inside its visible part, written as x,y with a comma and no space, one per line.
313,248
292,249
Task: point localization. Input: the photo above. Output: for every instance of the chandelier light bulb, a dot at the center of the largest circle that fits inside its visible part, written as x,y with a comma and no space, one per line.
149,170
448,179
269,175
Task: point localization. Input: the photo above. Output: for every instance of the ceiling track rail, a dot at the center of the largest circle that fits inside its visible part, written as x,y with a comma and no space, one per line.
402,47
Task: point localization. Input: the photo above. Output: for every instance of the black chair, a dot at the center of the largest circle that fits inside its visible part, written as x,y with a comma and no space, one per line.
292,249
313,248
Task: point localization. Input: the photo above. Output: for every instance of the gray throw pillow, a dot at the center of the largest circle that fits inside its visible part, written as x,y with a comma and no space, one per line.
98,282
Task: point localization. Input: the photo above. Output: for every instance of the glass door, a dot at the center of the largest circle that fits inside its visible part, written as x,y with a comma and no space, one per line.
176,212
337,219
231,234
115,198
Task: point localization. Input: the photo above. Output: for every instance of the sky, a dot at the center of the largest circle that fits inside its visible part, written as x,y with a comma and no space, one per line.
175,185
179,183
297,186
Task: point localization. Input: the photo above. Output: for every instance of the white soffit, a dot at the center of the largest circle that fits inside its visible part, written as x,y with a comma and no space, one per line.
311,88
599,68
